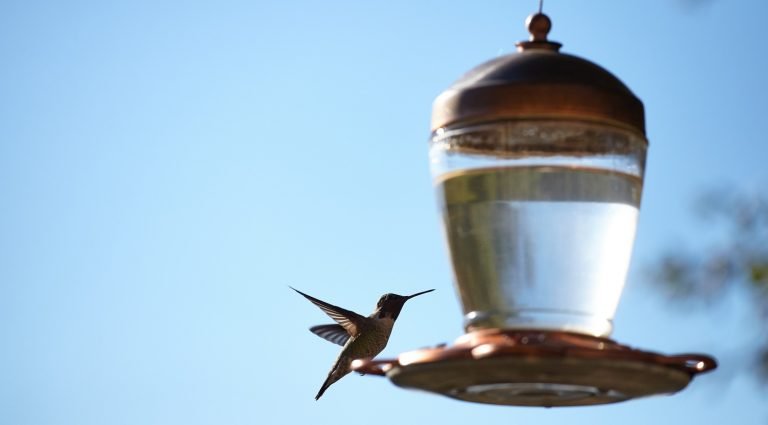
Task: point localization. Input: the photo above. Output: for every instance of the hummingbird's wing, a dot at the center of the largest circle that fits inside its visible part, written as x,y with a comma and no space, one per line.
334,333
349,320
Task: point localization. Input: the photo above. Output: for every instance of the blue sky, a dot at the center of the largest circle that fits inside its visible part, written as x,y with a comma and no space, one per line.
168,168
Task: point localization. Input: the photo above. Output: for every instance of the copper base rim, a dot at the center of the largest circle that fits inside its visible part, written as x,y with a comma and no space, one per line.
539,368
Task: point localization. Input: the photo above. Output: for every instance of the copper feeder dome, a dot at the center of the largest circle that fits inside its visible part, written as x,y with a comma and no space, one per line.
538,82
510,358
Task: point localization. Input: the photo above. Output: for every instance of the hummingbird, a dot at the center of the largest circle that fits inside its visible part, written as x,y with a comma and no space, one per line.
362,337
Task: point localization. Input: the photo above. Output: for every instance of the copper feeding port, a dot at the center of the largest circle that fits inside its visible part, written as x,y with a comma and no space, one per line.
539,368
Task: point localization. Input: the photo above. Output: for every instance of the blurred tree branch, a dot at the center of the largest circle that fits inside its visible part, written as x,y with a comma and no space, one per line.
737,260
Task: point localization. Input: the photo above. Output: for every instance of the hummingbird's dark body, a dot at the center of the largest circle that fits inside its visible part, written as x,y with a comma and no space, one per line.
362,337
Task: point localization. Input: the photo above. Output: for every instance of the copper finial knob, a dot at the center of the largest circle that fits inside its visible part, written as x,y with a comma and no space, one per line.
539,26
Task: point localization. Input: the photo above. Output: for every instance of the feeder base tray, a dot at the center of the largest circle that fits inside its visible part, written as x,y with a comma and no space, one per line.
539,368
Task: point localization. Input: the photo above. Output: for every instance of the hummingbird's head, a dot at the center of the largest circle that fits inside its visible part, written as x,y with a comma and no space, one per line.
389,305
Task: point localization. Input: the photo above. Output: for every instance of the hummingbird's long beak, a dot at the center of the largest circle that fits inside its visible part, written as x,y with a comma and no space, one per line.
417,294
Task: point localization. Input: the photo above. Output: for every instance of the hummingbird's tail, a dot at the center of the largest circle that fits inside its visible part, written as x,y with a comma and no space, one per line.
340,370
328,382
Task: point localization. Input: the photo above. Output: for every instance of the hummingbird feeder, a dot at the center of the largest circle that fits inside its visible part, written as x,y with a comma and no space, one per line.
538,160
